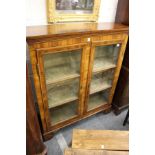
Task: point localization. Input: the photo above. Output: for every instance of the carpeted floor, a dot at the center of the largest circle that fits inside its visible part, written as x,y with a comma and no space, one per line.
100,121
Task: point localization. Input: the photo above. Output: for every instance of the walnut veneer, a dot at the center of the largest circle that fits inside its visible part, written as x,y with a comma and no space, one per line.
75,69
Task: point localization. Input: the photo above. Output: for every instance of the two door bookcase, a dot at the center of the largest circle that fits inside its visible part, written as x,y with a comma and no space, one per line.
75,70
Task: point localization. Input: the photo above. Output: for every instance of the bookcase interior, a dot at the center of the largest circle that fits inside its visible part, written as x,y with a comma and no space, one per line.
62,75
105,57
98,99
75,70
62,65
63,92
64,112
101,81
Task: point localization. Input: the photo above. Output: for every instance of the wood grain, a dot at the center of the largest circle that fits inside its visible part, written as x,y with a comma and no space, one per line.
83,73
62,29
122,13
75,119
59,38
100,139
71,151
104,41
118,68
36,79
34,141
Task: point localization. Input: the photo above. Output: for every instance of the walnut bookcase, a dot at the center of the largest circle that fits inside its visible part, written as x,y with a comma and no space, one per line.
75,70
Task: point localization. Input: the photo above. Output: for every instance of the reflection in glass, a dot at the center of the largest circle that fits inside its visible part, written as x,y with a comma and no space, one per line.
105,57
62,66
101,81
63,113
98,99
74,6
105,60
62,93
62,78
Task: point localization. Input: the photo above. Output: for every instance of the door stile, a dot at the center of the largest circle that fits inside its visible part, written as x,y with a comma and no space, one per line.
36,78
93,45
83,77
90,68
40,66
118,68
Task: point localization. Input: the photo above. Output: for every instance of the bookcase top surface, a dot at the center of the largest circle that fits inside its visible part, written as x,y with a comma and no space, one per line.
65,29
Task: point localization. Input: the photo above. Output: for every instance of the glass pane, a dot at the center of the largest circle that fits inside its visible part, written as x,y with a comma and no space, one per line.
63,113
105,57
61,66
63,92
74,6
62,76
101,81
98,99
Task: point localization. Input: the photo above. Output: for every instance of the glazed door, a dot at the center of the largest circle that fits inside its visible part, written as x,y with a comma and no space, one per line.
61,71
105,61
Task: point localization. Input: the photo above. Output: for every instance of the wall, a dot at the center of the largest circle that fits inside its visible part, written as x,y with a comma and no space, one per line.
107,10
36,11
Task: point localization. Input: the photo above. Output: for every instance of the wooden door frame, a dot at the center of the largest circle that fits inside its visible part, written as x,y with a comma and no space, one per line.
123,42
39,53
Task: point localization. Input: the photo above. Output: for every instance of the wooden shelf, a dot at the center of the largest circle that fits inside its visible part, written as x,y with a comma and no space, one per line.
105,57
101,81
60,73
63,93
99,87
60,54
102,64
62,66
64,113
97,100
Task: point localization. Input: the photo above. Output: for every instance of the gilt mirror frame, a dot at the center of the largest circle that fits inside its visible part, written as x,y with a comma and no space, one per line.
54,16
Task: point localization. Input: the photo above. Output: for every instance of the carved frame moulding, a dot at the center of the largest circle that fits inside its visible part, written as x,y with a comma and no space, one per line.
72,10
